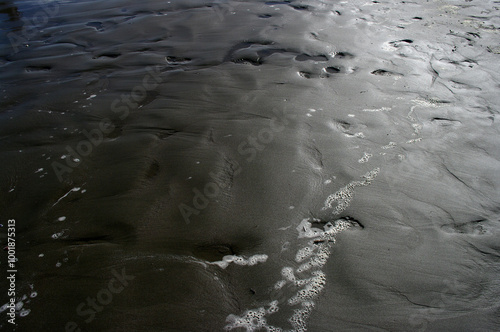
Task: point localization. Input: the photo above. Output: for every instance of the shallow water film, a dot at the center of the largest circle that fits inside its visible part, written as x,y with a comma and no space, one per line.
193,165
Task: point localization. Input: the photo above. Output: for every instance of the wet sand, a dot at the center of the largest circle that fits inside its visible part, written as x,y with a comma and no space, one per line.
251,166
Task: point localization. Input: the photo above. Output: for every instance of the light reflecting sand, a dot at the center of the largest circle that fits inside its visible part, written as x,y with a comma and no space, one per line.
228,165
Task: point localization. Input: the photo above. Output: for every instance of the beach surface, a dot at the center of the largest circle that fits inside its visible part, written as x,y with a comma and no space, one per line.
199,165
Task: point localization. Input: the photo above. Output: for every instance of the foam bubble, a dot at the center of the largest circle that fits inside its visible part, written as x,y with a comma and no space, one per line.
273,307
228,258
287,273
298,320
344,196
221,264
414,140
55,236
303,254
304,267
279,284
365,158
358,135
24,312
391,145
239,260
318,260
382,109
257,259
19,305
251,320
305,229
416,127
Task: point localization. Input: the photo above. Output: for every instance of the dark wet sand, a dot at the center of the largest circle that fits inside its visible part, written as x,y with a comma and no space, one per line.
216,134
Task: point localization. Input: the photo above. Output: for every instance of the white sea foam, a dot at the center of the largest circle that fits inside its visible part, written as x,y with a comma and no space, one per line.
308,288
240,260
382,109
308,279
391,145
344,196
365,158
